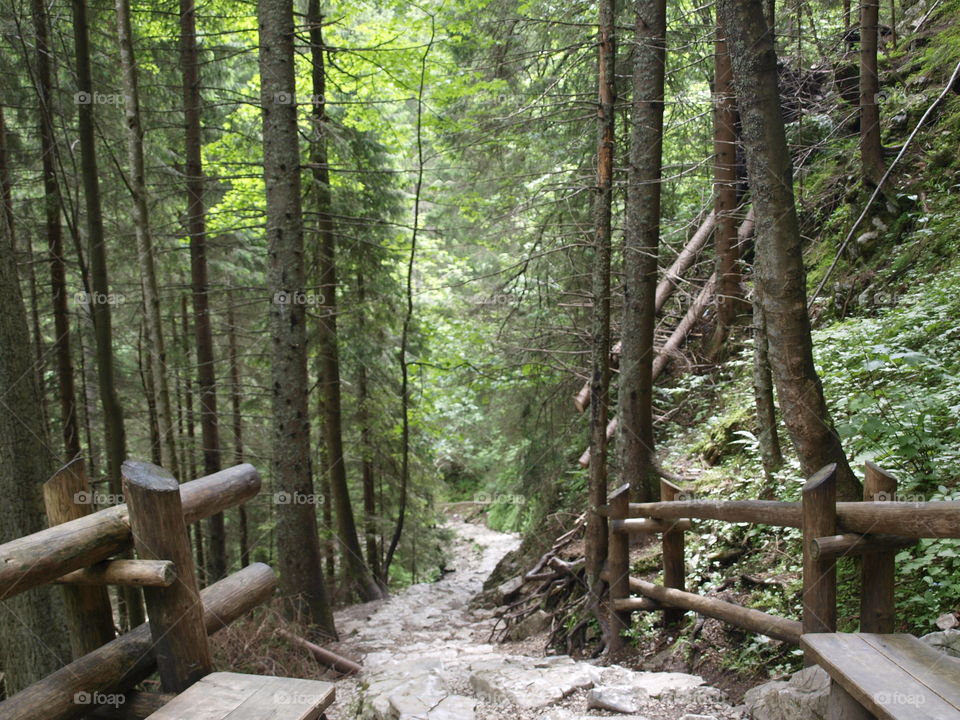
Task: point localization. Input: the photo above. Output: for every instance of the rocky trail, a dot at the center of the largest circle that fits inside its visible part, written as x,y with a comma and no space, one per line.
426,656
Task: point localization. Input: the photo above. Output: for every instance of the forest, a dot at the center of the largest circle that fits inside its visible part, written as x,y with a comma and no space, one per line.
490,260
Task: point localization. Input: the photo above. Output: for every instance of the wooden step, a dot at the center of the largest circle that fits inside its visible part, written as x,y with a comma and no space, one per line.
234,696
892,677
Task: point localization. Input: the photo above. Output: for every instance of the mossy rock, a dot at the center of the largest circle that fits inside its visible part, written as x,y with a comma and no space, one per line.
718,443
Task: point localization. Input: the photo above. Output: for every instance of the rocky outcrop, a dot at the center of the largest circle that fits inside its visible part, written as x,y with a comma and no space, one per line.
802,697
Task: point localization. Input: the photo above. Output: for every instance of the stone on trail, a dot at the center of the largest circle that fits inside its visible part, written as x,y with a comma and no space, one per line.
616,698
690,716
947,642
532,682
803,697
654,684
532,624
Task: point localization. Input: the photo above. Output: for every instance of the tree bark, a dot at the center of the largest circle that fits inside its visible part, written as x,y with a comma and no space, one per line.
99,300
190,452
298,546
781,279
243,540
367,448
641,237
216,551
770,453
25,463
729,296
54,231
596,531
145,255
871,152
351,554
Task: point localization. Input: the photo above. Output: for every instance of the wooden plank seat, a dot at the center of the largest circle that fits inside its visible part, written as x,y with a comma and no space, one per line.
889,677
234,696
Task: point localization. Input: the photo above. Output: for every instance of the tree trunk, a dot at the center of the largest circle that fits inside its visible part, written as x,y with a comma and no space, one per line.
596,531
781,279
7,224
367,448
871,153
24,465
351,554
770,452
145,260
641,245
190,454
54,230
298,546
145,368
216,554
729,296
99,300
237,424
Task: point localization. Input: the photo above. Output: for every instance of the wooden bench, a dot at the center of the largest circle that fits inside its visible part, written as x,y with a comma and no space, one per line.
887,677
226,695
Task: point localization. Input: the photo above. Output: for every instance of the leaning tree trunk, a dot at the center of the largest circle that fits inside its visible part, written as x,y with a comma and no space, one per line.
351,554
145,260
781,279
216,552
729,294
298,545
54,229
25,463
641,245
596,531
871,152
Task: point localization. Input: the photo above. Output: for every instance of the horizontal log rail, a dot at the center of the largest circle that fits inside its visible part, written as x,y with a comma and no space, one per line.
905,519
124,662
874,529
649,525
855,544
142,573
747,618
49,554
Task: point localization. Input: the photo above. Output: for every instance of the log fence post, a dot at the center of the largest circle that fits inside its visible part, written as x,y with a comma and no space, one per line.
672,542
877,572
176,612
618,566
819,573
66,497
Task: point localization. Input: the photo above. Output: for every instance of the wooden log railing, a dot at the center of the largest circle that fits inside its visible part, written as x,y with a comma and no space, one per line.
49,554
76,554
875,529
